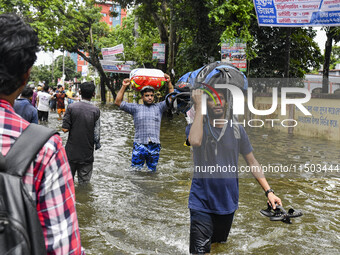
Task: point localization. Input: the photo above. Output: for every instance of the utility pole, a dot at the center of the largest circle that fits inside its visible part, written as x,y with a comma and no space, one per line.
63,77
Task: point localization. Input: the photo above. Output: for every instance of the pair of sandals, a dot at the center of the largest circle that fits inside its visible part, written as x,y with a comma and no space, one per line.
280,214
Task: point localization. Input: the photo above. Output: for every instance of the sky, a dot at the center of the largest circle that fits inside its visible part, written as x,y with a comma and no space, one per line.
46,58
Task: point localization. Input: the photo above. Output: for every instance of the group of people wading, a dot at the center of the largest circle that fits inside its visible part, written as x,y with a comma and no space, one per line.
49,180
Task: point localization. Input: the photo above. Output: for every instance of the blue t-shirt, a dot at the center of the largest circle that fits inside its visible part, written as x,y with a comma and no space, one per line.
25,109
214,188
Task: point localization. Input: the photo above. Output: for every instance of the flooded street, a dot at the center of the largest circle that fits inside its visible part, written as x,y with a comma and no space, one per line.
125,212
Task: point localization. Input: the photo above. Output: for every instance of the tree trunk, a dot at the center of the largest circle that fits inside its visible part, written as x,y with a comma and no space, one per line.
287,52
163,32
172,41
328,51
104,81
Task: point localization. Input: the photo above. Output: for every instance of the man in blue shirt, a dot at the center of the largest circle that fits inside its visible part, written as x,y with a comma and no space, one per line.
147,121
24,108
214,193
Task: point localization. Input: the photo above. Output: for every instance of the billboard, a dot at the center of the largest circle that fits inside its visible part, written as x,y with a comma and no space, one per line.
158,52
234,53
296,13
116,66
110,53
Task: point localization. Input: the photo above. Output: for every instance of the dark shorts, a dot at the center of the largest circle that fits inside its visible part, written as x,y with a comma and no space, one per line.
84,171
208,228
42,116
148,153
53,105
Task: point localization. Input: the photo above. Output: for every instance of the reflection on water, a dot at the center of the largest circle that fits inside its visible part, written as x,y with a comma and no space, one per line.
124,212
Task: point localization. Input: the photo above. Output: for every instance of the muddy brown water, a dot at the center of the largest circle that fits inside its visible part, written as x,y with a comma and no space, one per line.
125,212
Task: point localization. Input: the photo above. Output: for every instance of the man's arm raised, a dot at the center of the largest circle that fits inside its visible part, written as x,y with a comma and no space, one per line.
120,95
196,130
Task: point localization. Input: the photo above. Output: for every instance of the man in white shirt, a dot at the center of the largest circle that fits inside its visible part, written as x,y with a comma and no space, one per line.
43,99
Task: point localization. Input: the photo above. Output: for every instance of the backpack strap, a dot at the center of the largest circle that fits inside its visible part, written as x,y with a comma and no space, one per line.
26,147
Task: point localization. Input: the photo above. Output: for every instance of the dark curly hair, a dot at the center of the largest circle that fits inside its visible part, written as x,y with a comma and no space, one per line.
87,90
18,47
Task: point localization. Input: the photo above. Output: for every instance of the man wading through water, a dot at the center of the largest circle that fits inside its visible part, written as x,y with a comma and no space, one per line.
213,197
147,120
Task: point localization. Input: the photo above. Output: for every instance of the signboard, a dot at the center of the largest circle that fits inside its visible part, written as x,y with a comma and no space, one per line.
116,66
84,70
296,13
158,52
235,54
109,53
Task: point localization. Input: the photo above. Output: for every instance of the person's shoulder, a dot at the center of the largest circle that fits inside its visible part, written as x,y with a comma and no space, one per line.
95,107
242,129
124,103
161,104
53,145
88,105
19,101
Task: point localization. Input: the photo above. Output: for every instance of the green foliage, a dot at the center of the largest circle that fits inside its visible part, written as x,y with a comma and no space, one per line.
138,49
69,68
41,73
335,57
269,46
200,35
198,27
236,16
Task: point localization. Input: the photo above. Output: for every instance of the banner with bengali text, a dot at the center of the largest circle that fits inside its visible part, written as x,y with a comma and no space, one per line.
297,13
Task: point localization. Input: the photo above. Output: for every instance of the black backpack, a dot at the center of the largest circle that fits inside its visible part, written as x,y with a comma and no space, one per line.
20,228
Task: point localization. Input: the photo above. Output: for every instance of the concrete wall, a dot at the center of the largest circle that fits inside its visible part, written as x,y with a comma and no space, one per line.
323,123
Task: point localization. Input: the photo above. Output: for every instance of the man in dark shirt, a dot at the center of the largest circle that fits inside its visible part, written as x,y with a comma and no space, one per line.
214,192
24,108
82,122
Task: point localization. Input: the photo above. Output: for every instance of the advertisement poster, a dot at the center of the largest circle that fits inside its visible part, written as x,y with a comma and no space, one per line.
295,13
116,66
234,53
110,53
158,52
84,70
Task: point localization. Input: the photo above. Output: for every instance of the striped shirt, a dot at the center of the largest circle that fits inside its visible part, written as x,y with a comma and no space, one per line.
147,120
49,182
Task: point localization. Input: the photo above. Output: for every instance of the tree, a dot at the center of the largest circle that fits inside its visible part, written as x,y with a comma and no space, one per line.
41,73
136,48
80,33
191,37
332,33
335,57
269,45
199,35
158,13
70,25
69,68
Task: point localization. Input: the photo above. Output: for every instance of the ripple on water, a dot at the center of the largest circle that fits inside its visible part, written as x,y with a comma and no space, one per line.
124,212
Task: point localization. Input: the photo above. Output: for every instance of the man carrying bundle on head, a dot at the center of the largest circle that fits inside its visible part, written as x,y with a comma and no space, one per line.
147,121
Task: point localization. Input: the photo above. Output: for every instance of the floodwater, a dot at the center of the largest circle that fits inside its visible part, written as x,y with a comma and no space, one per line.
125,212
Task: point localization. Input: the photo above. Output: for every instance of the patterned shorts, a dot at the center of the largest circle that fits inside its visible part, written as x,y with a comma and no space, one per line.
148,153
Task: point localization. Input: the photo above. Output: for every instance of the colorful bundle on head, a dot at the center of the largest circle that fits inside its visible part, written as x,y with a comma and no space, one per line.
142,77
